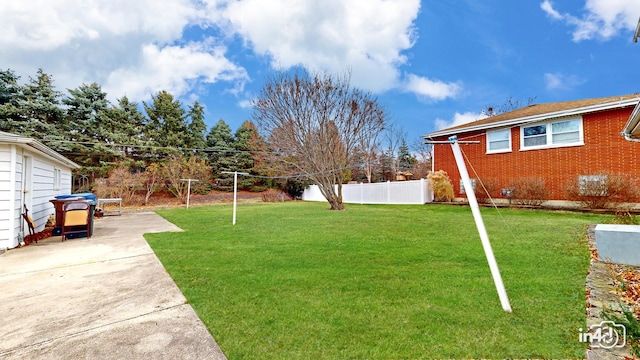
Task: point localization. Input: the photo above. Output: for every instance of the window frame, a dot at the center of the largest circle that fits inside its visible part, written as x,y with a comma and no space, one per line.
57,178
499,151
593,185
549,134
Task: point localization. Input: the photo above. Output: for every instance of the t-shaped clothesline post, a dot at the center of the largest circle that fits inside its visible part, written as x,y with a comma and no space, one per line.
188,188
475,209
235,190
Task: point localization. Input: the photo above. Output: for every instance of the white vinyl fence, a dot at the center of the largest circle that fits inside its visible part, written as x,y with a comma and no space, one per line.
398,192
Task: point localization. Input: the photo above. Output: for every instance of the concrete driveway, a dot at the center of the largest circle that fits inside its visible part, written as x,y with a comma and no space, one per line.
107,297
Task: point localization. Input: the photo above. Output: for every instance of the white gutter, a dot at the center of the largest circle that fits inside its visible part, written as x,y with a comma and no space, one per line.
29,142
632,125
537,118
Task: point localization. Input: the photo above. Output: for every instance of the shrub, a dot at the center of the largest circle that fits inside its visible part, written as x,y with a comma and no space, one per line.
273,195
295,188
529,191
631,325
486,189
625,218
121,183
441,185
603,190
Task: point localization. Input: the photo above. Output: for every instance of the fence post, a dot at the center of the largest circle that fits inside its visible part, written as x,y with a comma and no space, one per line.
388,192
422,192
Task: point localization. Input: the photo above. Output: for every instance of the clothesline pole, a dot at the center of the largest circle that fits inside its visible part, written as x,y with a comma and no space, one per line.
235,191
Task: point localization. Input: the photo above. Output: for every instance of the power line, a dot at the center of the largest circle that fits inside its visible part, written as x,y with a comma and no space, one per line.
154,147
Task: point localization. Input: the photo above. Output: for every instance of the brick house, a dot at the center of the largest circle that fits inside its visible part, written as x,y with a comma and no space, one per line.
558,142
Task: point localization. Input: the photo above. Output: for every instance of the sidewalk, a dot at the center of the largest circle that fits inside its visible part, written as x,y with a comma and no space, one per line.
107,297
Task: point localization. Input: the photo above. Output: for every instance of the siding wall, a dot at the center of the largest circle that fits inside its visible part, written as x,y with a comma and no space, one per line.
36,192
604,151
7,192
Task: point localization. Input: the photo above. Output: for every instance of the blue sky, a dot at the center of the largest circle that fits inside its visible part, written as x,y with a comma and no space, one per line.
432,64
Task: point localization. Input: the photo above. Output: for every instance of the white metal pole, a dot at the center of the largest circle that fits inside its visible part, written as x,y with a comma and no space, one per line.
188,192
475,209
235,195
188,188
235,190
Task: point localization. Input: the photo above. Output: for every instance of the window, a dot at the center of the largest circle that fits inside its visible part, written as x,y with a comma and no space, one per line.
499,141
593,185
552,134
473,185
57,175
535,135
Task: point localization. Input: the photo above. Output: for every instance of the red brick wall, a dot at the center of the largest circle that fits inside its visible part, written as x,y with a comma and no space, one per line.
604,151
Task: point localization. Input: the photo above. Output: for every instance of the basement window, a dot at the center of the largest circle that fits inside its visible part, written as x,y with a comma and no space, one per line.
473,185
593,185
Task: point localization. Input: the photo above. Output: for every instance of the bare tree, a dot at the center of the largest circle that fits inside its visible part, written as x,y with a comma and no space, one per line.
392,139
422,152
152,177
509,104
178,168
315,122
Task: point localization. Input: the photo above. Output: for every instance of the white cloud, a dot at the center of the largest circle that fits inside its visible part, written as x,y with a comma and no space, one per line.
173,68
558,81
547,6
246,103
47,25
139,47
129,47
366,36
434,90
458,119
602,19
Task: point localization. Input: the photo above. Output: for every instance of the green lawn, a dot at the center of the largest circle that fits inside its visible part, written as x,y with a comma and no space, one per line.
295,280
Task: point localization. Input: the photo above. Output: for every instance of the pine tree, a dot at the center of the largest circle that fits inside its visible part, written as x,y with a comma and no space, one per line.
220,143
244,158
126,125
166,126
406,161
197,127
41,111
91,141
10,97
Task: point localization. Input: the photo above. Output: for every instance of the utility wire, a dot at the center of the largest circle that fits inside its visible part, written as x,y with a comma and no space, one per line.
495,206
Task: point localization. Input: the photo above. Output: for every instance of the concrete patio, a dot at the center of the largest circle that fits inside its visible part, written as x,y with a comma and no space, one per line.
107,297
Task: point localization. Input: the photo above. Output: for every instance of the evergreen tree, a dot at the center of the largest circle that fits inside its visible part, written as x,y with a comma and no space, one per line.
244,159
41,111
220,143
167,121
10,97
406,161
126,125
88,128
196,128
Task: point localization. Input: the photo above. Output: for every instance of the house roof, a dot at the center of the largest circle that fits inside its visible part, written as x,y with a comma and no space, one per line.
8,138
542,112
